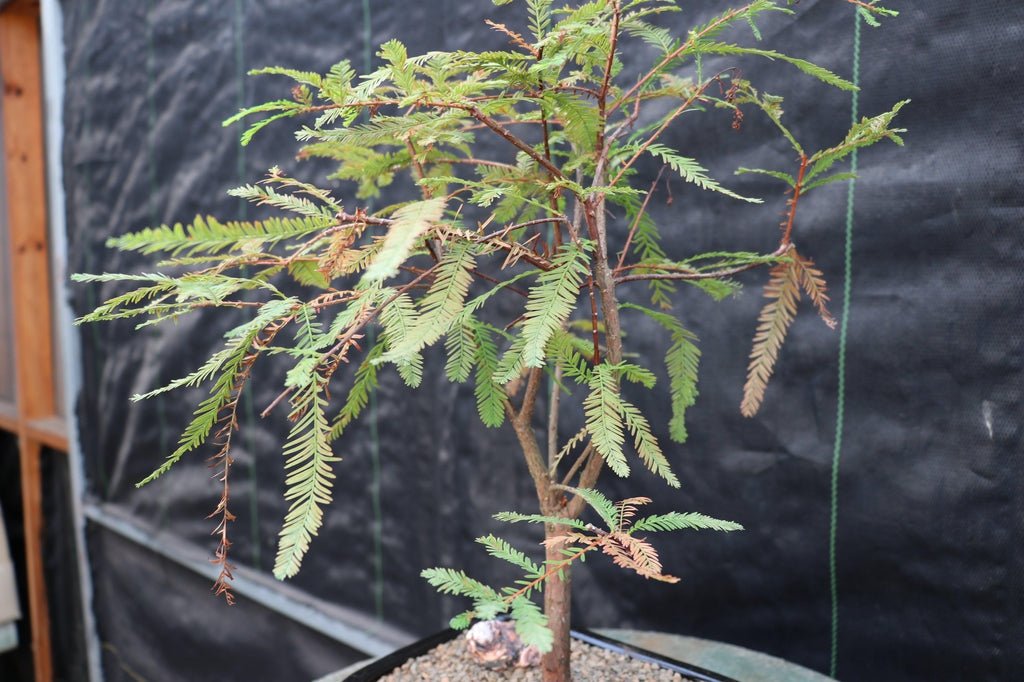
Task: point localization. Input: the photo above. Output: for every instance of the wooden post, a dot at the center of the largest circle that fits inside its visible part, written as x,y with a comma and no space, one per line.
24,157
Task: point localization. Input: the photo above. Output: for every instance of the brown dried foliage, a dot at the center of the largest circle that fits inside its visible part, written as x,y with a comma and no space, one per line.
783,293
635,554
514,38
222,461
813,283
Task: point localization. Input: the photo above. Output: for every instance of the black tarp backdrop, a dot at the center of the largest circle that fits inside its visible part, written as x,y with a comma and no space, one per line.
60,566
928,540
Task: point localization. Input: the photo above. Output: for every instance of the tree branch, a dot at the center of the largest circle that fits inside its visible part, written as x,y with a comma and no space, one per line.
729,16
502,131
797,188
587,451
532,454
602,94
639,217
554,402
657,133
352,331
595,216
530,396
694,275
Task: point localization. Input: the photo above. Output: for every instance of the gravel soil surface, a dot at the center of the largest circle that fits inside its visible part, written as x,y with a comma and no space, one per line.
450,662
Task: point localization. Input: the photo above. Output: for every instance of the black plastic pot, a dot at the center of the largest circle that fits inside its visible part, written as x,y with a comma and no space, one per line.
382,666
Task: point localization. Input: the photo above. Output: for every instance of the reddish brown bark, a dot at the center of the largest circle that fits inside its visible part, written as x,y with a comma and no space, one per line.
557,606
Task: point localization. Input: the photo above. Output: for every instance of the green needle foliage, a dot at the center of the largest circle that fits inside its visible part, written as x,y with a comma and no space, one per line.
529,224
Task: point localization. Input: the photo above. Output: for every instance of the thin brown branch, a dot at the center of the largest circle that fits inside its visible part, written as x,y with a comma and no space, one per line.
552,198
594,214
222,584
554,569
591,472
501,131
425,191
727,17
518,251
665,124
600,147
554,403
510,122
692,275
472,161
512,247
639,217
494,280
594,322
514,38
577,88
375,104
228,420
530,396
602,94
349,335
797,188
587,451
417,168
522,424
648,276
361,217
626,123
500,234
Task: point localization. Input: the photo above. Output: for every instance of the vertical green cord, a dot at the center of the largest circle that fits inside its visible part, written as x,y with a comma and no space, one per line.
238,17
375,483
152,173
249,410
89,370
841,391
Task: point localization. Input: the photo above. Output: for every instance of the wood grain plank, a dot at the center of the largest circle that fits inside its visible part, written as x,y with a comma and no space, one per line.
8,415
50,431
32,508
24,158
24,154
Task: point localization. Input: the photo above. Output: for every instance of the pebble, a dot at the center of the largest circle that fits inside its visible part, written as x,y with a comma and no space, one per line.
450,662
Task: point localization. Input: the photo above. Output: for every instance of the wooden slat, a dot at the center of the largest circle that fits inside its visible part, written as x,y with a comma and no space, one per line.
32,508
50,431
8,412
24,157
26,209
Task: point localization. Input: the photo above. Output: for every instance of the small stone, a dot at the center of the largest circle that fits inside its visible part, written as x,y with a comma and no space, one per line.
451,661
496,646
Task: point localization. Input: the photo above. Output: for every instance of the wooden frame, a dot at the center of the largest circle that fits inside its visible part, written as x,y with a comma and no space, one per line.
34,418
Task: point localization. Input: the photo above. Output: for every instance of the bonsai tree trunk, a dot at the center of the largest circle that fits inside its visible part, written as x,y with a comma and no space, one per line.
557,590
557,607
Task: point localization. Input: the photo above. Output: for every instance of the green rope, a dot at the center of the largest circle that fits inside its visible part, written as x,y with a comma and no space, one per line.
89,362
841,390
163,437
378,518
238,16
248,404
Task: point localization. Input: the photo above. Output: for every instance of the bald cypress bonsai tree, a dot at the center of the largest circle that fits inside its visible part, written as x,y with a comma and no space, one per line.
572,115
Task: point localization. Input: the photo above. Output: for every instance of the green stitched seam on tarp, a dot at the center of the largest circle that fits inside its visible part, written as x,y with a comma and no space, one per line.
89,364
248,404
161,410
378,520
151,208
841,390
